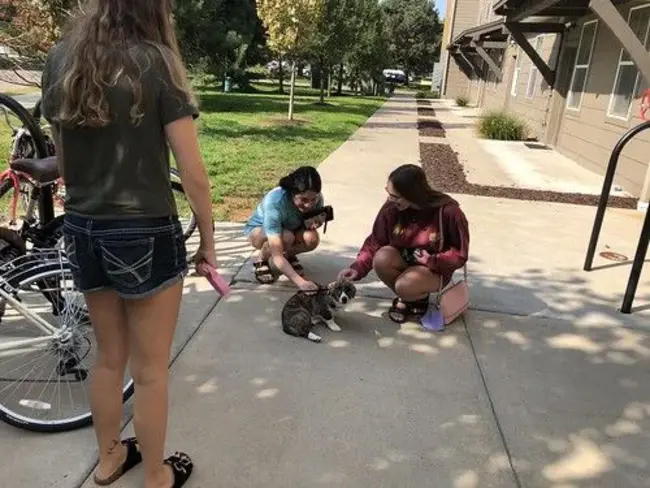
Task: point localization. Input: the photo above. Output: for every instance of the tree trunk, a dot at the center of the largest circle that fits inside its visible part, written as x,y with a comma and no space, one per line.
329,81
321,81
339,90
292,92
281,74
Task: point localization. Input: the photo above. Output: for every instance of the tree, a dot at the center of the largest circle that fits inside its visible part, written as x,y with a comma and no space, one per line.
414,32
290,25
369,53
218,35
30,28
334,37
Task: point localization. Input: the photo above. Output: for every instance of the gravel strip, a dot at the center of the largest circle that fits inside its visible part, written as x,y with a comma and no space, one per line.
427,111
445,172
431,128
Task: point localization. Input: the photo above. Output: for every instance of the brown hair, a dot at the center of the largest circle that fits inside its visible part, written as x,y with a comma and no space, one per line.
101,39
410,181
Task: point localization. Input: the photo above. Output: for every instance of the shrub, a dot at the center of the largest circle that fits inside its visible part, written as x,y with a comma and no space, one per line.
423,94
462,101
502,127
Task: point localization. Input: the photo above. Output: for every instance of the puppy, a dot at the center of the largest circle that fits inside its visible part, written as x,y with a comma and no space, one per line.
305,309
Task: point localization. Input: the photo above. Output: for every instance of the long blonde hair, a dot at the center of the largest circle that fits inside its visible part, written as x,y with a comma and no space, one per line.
100,43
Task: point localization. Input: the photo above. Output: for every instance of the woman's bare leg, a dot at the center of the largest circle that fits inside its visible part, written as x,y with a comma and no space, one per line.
152,322
304,241
109,322
259,241
416,283
389,265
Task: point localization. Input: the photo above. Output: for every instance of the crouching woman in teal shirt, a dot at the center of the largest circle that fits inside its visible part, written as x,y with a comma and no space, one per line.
277,227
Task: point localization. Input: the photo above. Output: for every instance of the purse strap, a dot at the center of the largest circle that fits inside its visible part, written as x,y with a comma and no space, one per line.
441,246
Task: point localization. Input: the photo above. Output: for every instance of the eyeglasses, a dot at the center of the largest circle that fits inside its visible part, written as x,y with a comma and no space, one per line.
306,200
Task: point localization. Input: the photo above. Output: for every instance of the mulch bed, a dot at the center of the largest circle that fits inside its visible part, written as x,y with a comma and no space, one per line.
428,111
445,173
431,128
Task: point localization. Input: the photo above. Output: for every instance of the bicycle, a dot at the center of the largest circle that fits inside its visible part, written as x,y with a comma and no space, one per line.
34,178
45,359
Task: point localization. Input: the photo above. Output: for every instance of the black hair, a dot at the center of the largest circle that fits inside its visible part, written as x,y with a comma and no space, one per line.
410,181
302,180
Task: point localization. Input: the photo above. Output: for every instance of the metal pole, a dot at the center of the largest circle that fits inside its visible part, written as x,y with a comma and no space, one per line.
637,266
607,187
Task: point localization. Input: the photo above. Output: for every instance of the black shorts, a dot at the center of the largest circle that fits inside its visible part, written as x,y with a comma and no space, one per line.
135,257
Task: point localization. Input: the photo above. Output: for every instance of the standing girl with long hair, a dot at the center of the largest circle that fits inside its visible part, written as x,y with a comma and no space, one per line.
403,247
116,93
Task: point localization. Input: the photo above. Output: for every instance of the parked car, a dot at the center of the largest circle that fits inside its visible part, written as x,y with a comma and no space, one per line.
394,76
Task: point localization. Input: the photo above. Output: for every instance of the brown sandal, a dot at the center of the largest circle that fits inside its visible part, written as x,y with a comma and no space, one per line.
133,458
263,273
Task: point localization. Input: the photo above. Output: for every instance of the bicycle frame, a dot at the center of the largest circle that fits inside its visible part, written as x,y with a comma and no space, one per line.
44,326
46,194
36,195
15,182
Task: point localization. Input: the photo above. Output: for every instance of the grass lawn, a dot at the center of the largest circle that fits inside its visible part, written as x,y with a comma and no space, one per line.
248,144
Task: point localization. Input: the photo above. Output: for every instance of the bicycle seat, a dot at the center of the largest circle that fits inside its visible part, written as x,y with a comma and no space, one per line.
41,170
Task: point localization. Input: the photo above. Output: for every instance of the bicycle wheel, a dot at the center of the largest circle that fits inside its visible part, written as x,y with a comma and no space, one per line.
45,371
185,212
20,137
34,144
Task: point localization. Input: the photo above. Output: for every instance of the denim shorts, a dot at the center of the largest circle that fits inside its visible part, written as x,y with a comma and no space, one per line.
135,257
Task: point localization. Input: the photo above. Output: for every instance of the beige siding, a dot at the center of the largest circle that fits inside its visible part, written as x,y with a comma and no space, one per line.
457,83
588,135
465,16
533,107
496,94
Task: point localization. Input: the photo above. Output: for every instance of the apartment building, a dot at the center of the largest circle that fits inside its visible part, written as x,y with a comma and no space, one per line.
573,70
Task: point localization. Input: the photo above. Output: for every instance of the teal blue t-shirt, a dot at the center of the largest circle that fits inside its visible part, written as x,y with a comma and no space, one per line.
276,212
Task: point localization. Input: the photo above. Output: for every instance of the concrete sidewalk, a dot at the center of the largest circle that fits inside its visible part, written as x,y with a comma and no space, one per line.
66,460
512,163
541,385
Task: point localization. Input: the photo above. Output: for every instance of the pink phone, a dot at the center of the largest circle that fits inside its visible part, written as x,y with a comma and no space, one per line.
218,283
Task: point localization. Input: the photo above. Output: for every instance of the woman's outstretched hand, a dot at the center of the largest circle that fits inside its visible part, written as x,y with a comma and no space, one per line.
308,286
348,274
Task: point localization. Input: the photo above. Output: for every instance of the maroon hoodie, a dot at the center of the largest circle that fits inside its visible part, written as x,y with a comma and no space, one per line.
419,229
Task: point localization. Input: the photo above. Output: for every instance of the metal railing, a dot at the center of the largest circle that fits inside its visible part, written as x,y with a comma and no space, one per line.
642,247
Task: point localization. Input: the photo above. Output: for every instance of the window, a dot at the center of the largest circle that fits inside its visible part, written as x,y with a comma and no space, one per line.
491,80
516,72
627,81
581,68
534,72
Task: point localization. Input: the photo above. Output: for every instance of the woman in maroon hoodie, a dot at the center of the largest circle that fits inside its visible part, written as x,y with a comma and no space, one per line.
404,247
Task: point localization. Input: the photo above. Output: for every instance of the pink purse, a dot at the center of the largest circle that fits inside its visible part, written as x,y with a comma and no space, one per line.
453,300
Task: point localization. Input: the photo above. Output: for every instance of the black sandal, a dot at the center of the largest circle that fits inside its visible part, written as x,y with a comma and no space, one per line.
263,273
400,314
182,467
133,458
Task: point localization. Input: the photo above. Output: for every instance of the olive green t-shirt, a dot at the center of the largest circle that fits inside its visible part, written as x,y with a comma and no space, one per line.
120,170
